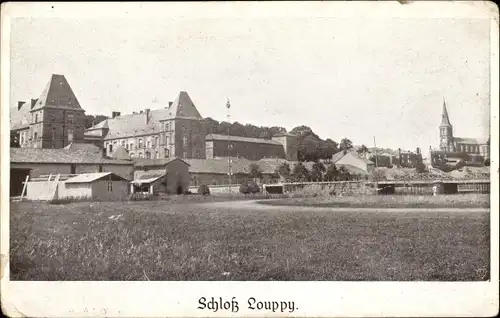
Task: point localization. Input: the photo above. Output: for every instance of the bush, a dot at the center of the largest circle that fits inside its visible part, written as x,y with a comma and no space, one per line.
249,188
420,167
203,189
140,196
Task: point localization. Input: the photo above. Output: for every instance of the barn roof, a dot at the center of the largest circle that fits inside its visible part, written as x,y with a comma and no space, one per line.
91,177
45,155
156,162
242,139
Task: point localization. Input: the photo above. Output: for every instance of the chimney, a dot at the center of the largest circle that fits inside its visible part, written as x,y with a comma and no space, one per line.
146,111
20,104
170,104
115,114
33,102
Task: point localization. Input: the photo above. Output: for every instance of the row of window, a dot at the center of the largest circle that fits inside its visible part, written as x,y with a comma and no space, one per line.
150,142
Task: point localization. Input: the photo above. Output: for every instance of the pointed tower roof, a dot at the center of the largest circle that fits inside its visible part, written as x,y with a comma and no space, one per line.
57,93
120,153
184,107
445,120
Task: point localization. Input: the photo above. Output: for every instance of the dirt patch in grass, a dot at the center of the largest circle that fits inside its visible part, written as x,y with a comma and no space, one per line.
160,241
389,201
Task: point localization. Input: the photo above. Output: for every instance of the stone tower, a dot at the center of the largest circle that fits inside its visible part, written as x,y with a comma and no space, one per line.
56,116
289,142
445,131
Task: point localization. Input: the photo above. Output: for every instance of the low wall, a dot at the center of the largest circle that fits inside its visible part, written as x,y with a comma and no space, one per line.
219,189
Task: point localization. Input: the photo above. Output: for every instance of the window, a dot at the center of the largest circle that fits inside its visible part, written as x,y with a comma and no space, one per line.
73,168
167,126
185,141
131,145
100,168
126,146
110,148
36,118
197,152
123,143
148,143
53,137
140,155
110,186
156,155
71,120
167,153
184,154
156,142
35,136
140,143
131,155
70,135
148,155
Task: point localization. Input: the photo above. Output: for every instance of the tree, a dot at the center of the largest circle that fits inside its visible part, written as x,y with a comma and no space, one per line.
344,175
255,171
318,169
14,139
332,173
284,170
345,145
362,149
300,173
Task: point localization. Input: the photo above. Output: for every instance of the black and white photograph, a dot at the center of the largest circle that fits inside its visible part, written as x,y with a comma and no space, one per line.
255,150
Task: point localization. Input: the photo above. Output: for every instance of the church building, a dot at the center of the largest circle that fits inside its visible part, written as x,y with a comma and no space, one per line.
450,143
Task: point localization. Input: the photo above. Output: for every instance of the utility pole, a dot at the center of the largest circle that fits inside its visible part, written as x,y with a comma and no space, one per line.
228,106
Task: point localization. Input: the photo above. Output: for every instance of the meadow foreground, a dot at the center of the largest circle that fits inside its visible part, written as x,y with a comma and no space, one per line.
157,240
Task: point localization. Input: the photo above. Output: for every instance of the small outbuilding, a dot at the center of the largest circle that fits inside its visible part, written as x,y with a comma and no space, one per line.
170,176
101,186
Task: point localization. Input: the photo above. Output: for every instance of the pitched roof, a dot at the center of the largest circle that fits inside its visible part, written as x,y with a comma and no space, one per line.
445,120
242,139
474,141
147,123
219,165
90,177
337,156
156,162
120,153
45,155
148,178
57,93
280,134
19,118
84,146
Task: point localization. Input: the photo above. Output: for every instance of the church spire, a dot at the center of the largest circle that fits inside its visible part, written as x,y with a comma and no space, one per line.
445,121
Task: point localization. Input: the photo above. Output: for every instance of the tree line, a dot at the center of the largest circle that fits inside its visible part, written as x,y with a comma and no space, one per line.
310,147
299,173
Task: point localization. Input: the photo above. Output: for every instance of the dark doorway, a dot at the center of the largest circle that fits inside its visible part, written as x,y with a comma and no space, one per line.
73,168
179,189
17,177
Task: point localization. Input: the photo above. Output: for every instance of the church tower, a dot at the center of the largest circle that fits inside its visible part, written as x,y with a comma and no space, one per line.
445,131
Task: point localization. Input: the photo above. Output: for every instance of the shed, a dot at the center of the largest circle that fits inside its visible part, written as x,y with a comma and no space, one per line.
102,186
172,173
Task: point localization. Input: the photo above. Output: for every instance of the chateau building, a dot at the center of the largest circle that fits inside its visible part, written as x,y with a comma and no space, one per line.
217,146
53,120
173,131
473,147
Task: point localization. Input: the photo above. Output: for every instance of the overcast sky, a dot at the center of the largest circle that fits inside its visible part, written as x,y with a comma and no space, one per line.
354,78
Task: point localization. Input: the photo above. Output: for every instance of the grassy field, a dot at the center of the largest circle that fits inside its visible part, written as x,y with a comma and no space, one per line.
157,240
390,201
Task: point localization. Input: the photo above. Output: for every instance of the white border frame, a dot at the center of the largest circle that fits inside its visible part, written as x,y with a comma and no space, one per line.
177,299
